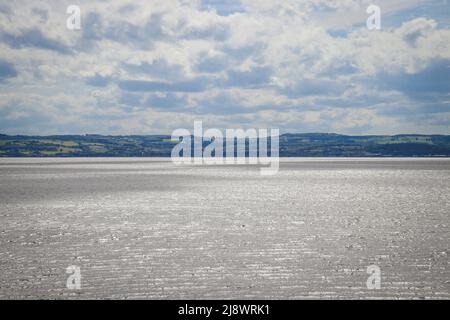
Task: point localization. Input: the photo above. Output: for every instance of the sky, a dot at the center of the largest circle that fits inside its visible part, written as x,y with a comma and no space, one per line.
150,67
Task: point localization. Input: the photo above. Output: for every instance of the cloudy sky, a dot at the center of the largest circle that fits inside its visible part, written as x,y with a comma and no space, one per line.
145,67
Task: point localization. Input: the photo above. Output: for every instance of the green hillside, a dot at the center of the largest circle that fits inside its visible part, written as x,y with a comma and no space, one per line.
291,145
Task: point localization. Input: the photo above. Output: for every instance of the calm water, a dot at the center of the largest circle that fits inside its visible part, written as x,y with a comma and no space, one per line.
144,228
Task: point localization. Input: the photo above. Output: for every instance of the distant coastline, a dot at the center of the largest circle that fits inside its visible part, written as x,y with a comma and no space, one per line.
291,145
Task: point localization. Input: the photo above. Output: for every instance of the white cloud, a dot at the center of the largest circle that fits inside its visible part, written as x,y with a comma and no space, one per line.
260,62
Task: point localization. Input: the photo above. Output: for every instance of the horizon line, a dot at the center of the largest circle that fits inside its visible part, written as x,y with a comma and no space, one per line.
162,134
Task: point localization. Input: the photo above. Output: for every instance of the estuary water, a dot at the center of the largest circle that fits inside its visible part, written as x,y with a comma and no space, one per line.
141,228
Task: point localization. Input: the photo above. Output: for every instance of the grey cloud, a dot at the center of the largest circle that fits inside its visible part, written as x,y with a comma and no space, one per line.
98,81
144,36
43,14
213,64
92,25
413,110
159,68
128,8
197,85
434,81
313,87
29,118
122,31
223,104
222,7
255,77
140,36
244,52
130,100
338,33
412,30
338,68
34,38
218,32
4,8
167,102
154,26
7,70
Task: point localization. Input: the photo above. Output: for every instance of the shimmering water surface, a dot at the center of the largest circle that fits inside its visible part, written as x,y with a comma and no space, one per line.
144,228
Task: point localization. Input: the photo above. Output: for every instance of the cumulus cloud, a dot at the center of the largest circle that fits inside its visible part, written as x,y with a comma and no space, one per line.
150,67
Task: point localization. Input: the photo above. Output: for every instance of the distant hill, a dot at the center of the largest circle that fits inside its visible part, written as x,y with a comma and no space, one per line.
291,145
